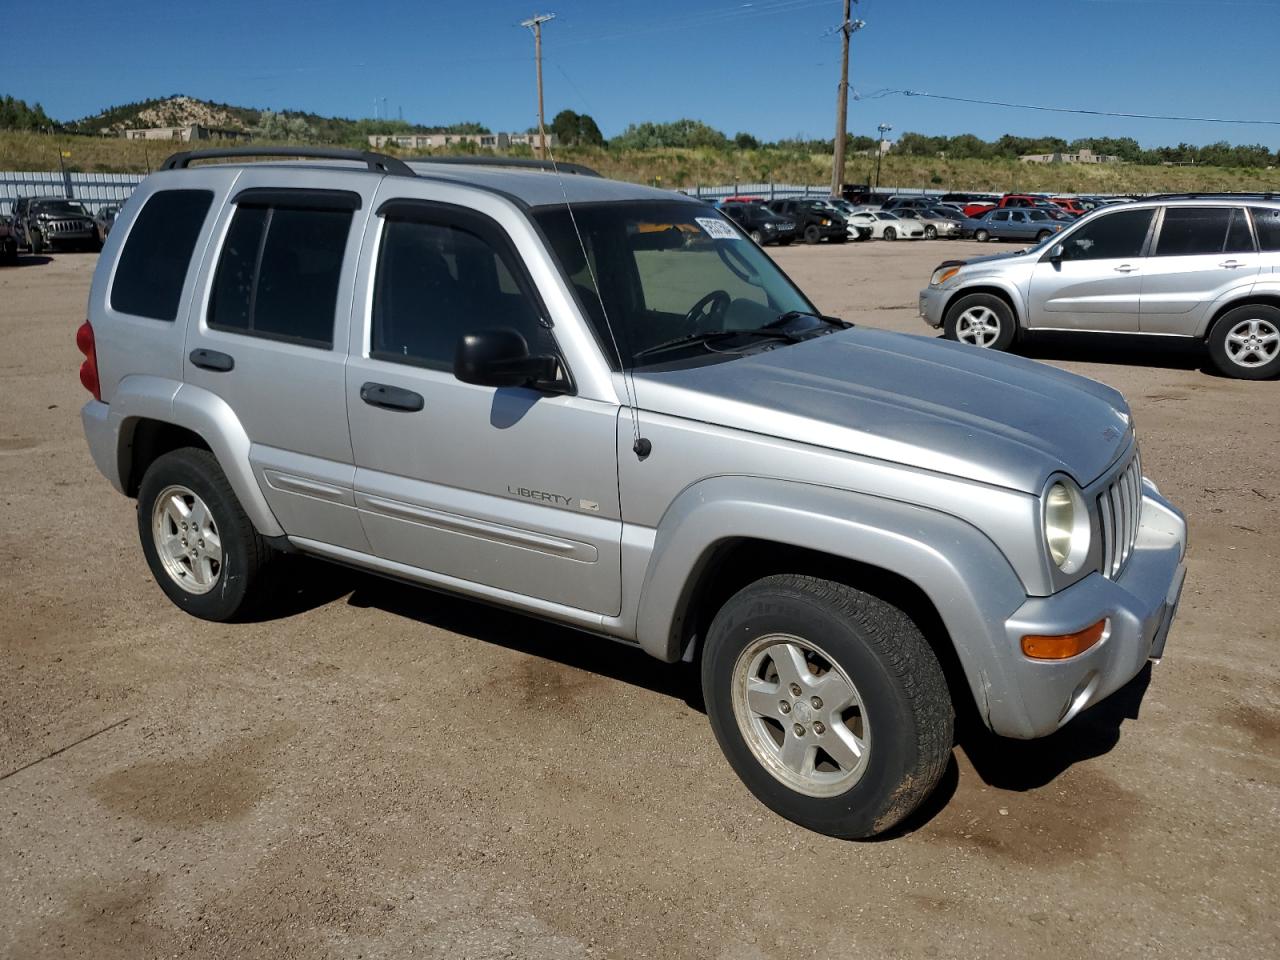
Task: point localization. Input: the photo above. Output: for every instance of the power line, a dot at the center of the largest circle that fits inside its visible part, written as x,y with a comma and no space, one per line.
1078,110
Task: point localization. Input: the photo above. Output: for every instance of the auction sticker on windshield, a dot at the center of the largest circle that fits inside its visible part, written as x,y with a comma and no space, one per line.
716,229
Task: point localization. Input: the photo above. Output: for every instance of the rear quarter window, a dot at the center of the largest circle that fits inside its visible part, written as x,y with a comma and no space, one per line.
1267,222
153,264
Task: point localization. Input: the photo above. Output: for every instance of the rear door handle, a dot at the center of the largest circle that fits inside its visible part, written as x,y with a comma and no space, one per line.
1230,264
1125,268
391,398
212,360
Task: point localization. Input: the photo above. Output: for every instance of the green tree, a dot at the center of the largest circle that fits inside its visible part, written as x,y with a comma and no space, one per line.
745,141
576,129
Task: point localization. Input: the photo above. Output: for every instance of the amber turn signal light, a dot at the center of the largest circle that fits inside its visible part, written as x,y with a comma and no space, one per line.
1063,646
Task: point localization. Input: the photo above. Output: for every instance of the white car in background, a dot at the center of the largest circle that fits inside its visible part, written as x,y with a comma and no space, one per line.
888,226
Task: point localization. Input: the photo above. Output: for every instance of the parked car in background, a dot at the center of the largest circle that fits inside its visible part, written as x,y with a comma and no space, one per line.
815,220
741,199
902,202
47,223
762,224
1076,206
997,224
104,219
889,226
1203,268
857,231
8,242
934,223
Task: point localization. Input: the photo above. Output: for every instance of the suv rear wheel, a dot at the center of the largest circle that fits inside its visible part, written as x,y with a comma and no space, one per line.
201,546
1245,342
812,234
981,320
828,703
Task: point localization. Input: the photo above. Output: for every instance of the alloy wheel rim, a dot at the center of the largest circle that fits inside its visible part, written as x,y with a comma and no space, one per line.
1253,343
979,326
800,715
186,539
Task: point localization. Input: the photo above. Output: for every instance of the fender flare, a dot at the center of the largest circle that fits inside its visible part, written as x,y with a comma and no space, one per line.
1259,288
204,413
960,570
1010,290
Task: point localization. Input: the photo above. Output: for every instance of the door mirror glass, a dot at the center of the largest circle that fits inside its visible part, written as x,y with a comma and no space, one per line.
1056,252
500,358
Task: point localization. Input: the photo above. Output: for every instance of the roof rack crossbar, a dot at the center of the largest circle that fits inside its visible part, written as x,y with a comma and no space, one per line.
376,162
575,168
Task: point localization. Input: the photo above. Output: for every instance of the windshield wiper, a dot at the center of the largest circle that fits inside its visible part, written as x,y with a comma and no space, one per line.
774,330
707,336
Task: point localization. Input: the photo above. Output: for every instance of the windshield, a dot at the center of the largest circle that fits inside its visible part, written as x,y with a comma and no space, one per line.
665,270
59,206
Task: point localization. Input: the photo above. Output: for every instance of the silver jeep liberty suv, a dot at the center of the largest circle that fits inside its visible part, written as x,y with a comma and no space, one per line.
603,405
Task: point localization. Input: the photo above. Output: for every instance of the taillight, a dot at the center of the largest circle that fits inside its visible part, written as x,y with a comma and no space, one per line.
89,369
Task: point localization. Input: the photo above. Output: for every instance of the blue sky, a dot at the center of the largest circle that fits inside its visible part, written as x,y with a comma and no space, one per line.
769,66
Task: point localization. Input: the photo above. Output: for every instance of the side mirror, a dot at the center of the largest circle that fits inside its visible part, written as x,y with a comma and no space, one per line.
1056,253
500,358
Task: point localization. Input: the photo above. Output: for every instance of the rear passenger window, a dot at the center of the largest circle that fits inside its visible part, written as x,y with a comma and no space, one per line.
278,274
1188,231
1266,220
153,264
436,282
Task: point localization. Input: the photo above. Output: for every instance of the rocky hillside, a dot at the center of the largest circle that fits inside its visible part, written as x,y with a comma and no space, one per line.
172,111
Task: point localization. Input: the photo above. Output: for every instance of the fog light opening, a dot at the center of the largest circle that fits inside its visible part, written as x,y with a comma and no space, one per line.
1064,646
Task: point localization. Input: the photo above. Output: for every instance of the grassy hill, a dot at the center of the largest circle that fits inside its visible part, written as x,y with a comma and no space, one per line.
685,168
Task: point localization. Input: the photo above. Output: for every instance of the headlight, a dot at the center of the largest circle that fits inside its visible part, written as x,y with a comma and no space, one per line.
1066,526
942,275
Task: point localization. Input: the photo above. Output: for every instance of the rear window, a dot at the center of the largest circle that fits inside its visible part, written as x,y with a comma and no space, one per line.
153,264
1189,231
1267,222
278,274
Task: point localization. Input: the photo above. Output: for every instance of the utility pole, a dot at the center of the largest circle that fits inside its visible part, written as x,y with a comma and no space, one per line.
535,24
883,128
847,28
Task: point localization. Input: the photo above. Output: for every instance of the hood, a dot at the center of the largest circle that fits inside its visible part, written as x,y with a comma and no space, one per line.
926,403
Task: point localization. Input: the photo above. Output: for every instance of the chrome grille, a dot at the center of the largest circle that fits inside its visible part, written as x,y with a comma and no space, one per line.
1120,507
67,226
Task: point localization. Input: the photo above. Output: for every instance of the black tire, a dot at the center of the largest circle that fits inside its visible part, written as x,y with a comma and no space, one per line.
890,233
36,241
812,234
1252,319
930,232
95,245
242,581
982,236
1042,235
906,705
1004,318
758,237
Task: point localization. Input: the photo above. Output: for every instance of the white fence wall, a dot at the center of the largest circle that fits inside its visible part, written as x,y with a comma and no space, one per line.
94,190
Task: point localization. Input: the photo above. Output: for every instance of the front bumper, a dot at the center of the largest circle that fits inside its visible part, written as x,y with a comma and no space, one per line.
1039,696
932,302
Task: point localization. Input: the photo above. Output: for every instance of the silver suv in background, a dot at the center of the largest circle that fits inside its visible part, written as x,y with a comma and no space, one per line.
603,405
1198,266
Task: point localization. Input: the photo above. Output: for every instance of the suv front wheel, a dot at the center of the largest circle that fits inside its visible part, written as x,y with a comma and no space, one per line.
828,703
981,320
1245,342
201,546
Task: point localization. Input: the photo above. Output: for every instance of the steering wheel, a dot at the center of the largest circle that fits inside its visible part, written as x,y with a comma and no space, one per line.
711,307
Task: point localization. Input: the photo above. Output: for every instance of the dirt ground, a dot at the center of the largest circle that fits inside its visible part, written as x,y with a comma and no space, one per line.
383,772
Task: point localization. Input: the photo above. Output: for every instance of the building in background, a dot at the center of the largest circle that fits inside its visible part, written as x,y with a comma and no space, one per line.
1084,156
185,134
431,141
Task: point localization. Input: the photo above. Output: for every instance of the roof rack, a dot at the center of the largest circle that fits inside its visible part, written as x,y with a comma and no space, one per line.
377,162
575,168
1219,195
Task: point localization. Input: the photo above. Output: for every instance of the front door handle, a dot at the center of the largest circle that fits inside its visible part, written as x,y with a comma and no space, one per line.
1125,268
1230,264
391,398
212,360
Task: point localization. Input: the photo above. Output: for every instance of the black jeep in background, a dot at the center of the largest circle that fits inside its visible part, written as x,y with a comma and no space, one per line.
43,223
813,219
760,222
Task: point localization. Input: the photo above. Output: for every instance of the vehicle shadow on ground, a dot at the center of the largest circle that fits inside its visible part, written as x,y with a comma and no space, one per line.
516,631
1172,353
28,260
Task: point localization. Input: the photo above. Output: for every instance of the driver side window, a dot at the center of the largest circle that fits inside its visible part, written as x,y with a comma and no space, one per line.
1117,236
